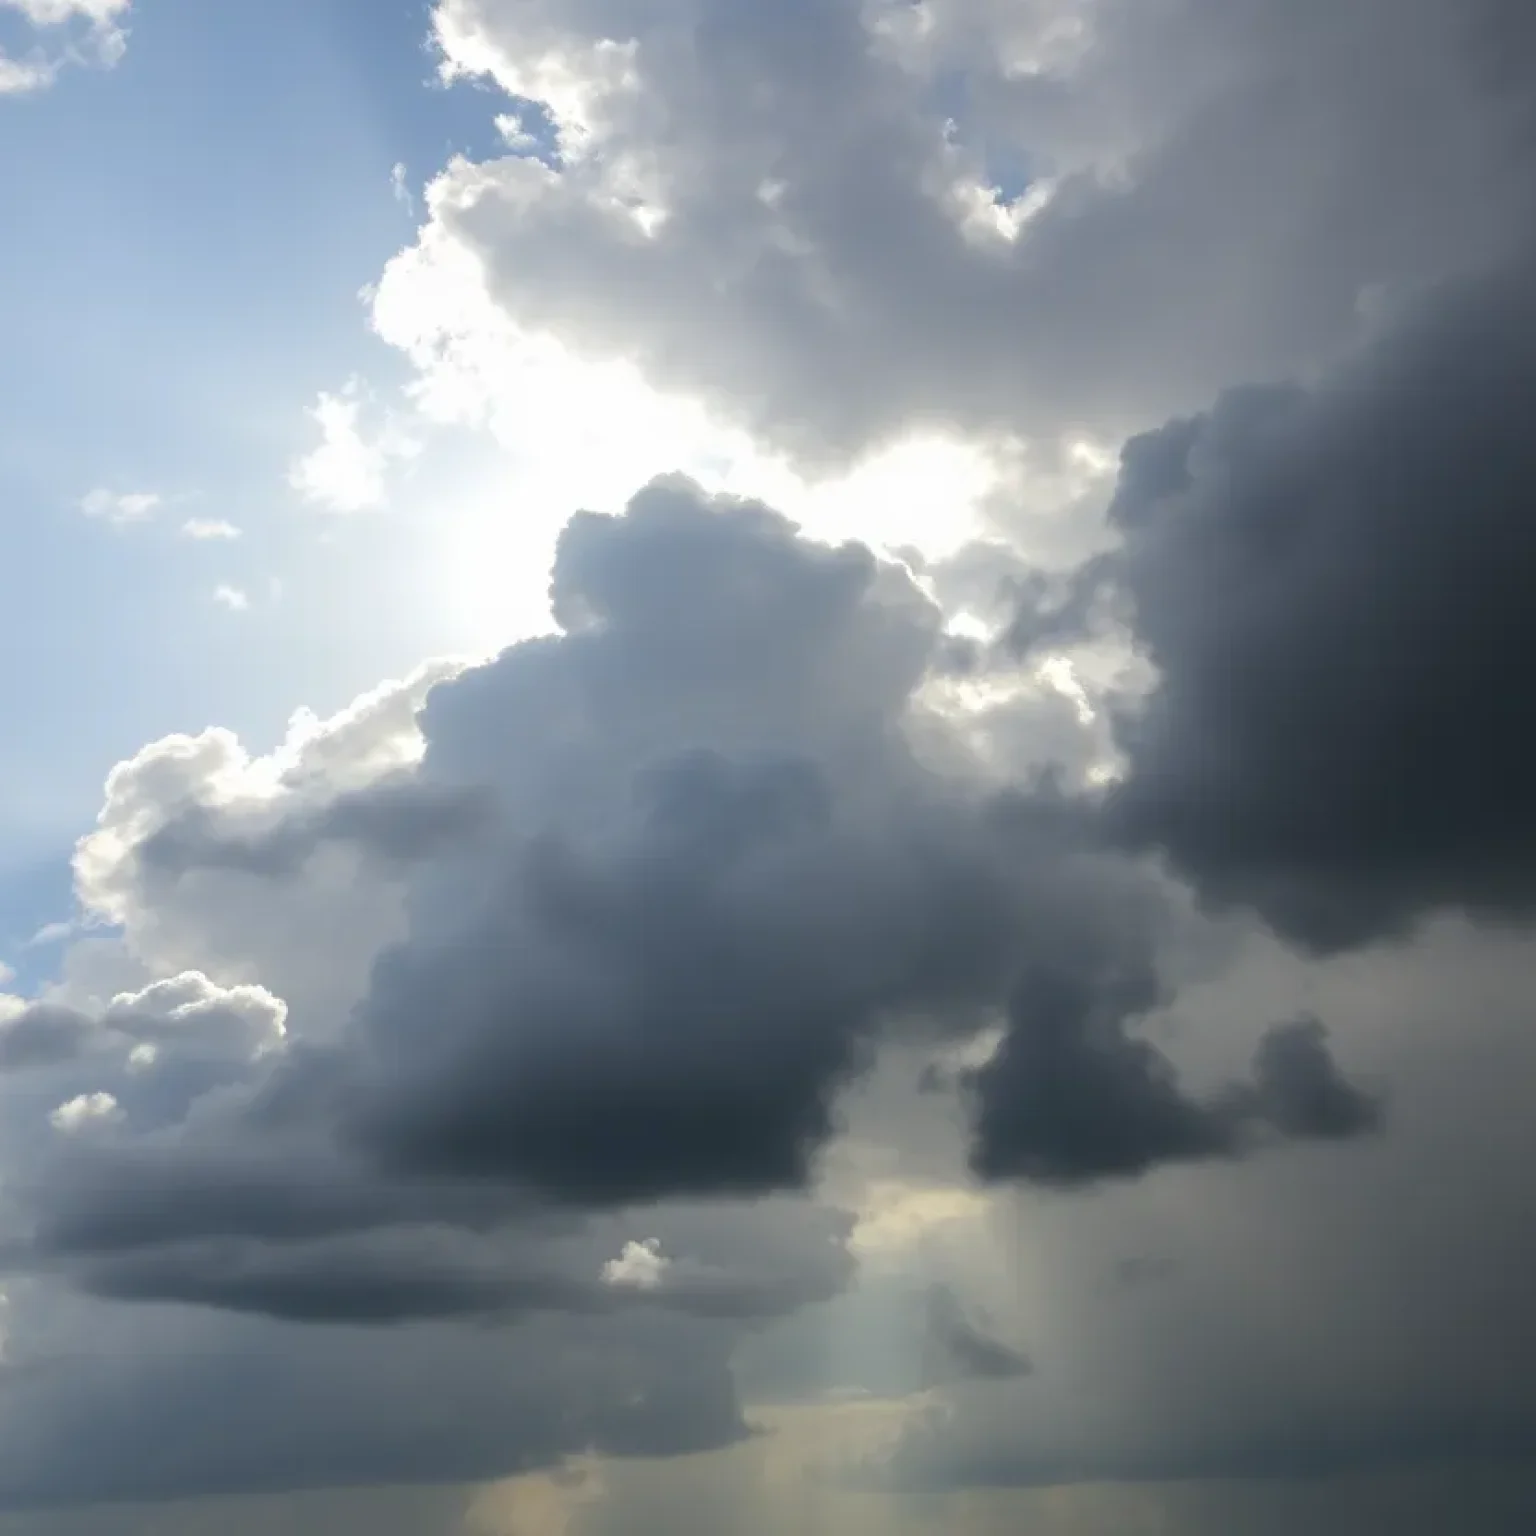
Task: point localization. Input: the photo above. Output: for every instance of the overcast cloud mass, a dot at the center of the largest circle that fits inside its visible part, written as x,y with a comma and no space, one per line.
971,968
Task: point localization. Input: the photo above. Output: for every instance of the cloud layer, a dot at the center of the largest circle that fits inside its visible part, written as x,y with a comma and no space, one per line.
675,874
1043,1012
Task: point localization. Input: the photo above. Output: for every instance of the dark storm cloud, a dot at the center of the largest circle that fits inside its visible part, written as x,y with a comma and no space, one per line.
1071,1097
675,1016
1299,1091
311,1243
325,1287
207,1406
407,1274
1334,583
671,1007
720,876
104,1201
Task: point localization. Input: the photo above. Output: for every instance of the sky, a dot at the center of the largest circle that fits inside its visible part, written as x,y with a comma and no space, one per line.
766,767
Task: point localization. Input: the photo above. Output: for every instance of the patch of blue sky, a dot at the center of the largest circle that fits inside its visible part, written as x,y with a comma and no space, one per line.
188,237
1004,166
36,915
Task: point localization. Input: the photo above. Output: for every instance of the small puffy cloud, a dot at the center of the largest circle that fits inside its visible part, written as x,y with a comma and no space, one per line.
207,529
348,471
120,508
83,1111
19,76
69,32
235,599
641,1265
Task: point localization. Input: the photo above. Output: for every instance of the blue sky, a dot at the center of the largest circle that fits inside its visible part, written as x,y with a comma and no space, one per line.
179,280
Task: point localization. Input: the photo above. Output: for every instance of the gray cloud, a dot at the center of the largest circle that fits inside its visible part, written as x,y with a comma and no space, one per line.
533,1264
1071,1098
1227,181
1311,1314
42,1035
1332,582
395,821
1298,1090
721,876
961,1348
738,848
257,1405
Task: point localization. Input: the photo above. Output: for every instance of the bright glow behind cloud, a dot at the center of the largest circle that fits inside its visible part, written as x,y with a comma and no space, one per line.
348,471
575,431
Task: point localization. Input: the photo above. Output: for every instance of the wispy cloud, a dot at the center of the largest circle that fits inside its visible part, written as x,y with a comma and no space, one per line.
349,469
119,508
401,188
234,599
51,933
209,529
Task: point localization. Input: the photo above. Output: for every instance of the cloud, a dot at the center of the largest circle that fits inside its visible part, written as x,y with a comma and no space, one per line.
394,821
205,529
311,936
91,32
577,1015
83,1111
120,508
20,76
961,1347
156,1050
642,1266
348,471
718,877
41,1035
1288,1331
1070,1098
235,599
400,188
838,225
737,699
326,1407
1329,580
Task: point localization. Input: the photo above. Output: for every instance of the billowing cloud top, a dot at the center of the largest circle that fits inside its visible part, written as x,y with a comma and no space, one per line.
677,872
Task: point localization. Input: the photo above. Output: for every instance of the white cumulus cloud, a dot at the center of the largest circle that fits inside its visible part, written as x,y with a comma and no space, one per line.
68,32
